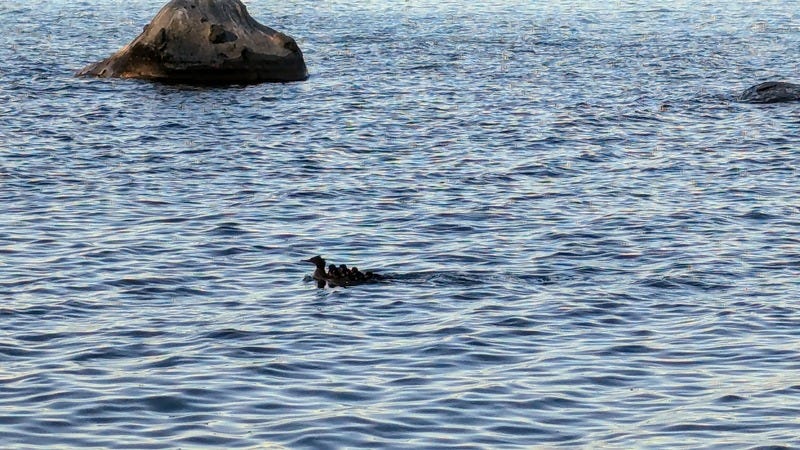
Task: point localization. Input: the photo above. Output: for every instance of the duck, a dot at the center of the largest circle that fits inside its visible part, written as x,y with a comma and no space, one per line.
339,276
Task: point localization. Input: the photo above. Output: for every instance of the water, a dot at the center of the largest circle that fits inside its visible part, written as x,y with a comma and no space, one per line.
591,243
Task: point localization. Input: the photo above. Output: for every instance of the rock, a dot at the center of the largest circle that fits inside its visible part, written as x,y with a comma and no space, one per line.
771,92
205,42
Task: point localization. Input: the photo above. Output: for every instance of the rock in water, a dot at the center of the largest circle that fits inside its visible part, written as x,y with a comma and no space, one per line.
205,42
771,92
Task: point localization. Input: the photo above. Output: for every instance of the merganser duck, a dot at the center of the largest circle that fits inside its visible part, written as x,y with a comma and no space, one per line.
339,276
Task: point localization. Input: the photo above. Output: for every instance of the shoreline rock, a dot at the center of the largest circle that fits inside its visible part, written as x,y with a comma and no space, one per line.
205,42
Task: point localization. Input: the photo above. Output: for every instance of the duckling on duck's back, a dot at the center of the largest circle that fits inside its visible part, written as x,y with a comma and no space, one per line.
333,271
339,276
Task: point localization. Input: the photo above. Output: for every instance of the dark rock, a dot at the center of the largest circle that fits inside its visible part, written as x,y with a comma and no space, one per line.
205,42
771,92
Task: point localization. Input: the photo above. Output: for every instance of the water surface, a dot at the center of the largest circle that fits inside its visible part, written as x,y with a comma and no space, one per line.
591,244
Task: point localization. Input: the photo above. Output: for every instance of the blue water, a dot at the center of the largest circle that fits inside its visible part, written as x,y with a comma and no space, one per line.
590,243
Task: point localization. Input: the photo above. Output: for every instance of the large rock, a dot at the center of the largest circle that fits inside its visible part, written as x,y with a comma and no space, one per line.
205,42
771,92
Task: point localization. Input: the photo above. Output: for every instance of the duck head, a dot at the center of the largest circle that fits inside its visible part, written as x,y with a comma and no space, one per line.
317,261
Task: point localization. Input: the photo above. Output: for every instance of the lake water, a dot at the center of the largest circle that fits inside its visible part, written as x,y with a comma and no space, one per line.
590,243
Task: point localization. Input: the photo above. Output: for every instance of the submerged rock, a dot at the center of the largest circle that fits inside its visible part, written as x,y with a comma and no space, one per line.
771,92
205,42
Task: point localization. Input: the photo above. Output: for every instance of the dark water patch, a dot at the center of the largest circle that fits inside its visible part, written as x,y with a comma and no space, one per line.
227,229
336,395
707,429
731,399
473,278
128,282
231,334
169,361
492,358
515,322
35,311
45,337
15,351
683,282
630,349
230,251
759,215
291,371
128,351
609,381
165,403
522,430
159,291
142,333
410,381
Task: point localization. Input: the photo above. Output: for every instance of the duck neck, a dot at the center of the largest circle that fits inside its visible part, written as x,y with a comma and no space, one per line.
320,272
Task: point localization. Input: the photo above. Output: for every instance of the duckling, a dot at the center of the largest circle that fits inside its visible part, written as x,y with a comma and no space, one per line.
333,271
